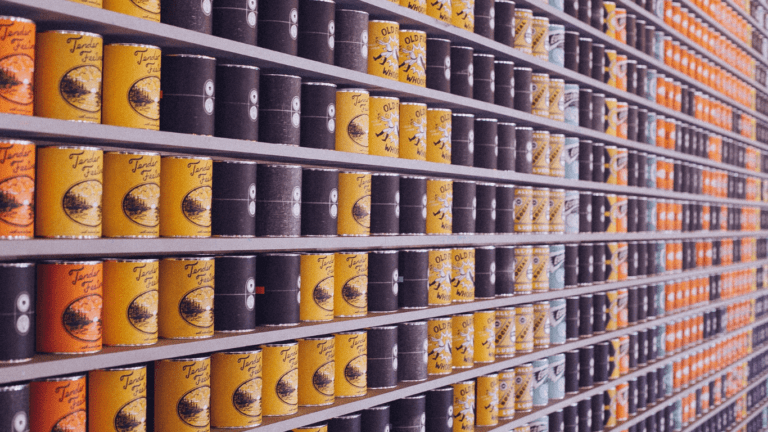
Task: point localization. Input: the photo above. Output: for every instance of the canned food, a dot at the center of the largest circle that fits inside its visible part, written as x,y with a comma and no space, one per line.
50,411
351,364
236,388
523,30
539,100
186,298
505,331
524,328
18,54
440,351
540,275
116,397
463,14
540,212
350,297
413,130
384,131
463,328
524,388
541,324
439,206
413,57
182,394
463,275
383,49
186,196
17,184
485,336
439,127
132,86
440,274
354,204
487,400
523,209
317,287
131,194
130,301
317,371
352,120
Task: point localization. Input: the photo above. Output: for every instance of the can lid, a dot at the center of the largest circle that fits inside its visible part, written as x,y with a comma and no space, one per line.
202,57
356,172
386,174
484,55
384,21
388,252
14,387
241,351
189,258
15,141
235,256
463,115
282,166
283,75
523,10
125,368
13,18
461,47
352,332
72,147
239,162
492,120
384,327
281,344
63,378
185,359
17,265
353,90
402,30
93,262
134,45
504,61
276,254
414,177
238,66
414,104
133,260
523,68
385,97
73,32
323,338
438,39
350,416
320,169
415,323
127,152
556,80
378,408
352,10
186,157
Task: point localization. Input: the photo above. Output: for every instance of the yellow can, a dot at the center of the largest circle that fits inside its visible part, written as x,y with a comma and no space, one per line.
317,371
69,192
354,204
463,275
523,269
68,75
417,5
540,210
541,324
280,383
384,128
523,208
413,130
507,393
610,115
523,428
17,184
463,14
183,395
440,10
350,281
556,208
439,346
539,102
413,56
132,86
147,9
439,128
236,378
117,399
463,333
18,57
312,428
540,41
556,102
131,194
464,405
523,30
609,404
439,206
612,309
541,152
317,287
487,400
524,328
485,336
557,155
352,120
185,196
524,388
351,363
383,49
505,331
440,272
130,292
540,268
614,358
186,298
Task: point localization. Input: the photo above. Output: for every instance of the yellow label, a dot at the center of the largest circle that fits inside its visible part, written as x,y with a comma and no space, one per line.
185,197
540,212
524,328
439,206
317,287
413,56
117,397
439,128
417,5
464,406
384,49
487,400
439,346
350,297
612,309
352,122
556,207
317,371
523,31
354,204
463,335
523,387
541,269
463,14
485,336
440,9
131,195
183,395
540,42
463,275
186,298
236,387
523,208
505,333
556,103
132,86
610,115
541,152
147,9
539,103
440,272
384,132
523,269
280,390
541,325
351,364
507,394
609,402
413,131
130,307
556,155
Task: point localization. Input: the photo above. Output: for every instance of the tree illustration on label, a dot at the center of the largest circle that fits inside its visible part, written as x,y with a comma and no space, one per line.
196,308
322,294
151,6
287,387
82,203
196,206
361,211
247,398
71,422
132,417
142,312
356,371
355,291
142,205
81,88
357,130
323,378
82,318
144,97
194,407
17,199
16,78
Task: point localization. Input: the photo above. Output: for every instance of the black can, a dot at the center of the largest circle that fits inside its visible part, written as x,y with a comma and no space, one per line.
598,22
235,290
14,400
524,150
505,82
556,421
280,108
278,203
586,263
585,161
413,205
439,410
412,351
351,49
571,47
486,208
504,32
485,272
633,305
601,362
505,270
346,423
572,318
320,202
571,265
585,56
505,213
572,372
233,199
598,268
486,143
236,20
598,112
598,212
318,119
632,399
585,12
571,418
484,81
598,163
193,15
383,281
188,99
385,204
278,277
523,96
633,350
382,357
506,147
640,35
462,81
464,207
632,217
642,392
17,318
631,30
585,212
598,316
317,33
409,413
632,123
586,366
598,404
585,109
413,280
439,64
484,18
375,419
586,316
462,139
237,102
279,25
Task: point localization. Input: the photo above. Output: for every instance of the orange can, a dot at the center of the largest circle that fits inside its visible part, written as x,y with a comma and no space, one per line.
17,61
183,395
17,185
58,404
236,378
130,301
117,399
69,306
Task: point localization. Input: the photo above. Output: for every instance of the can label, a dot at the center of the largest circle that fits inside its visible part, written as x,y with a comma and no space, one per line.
463,275
539,102
439,348
281,385
612,310
523,269
540,41
317,287
485,335
540,382
317,370
624,355
440,10
618,160
413,57
523,31
556,102
541,325
131,195
384,49
505,332
556,211
464,406
182,394
413,130
556,376
187,307
524,388
610,116
384,132
540,274
439,128
17,186
354,204
236,387
350,297
557,43
120,396
17,60
507,394
440,274
351,364
556,267
524,328
148,9
463,15
614,358
132,86
540,210
439,206
609,403
557,333
463,329
622,402
618,214
523,208
557,155
487,400
130,302
571,105
185,198
352,120
571,212
541,152
50,411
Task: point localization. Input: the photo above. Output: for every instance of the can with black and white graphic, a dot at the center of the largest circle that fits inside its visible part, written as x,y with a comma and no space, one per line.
382,357
351,48
385,204
320,201
318,118
317,33
278,202
412,351
188,98
439,64
234,291
237,102
233,199
383,281
413,280
278,289
279,109
278,25
17,317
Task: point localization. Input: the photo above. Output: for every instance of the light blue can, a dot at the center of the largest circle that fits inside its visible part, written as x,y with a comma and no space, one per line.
658,8
557,4
660,256
556,376
651,214
658,45
557,40
557,321
571,152
650,86
650,172
541,424
660,310
677,415
570,214
765,418
540,378
557,267
650,129
571,107
669,377
661,341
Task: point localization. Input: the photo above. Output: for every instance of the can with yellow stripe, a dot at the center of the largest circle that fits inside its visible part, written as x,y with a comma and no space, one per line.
439,128
524,328
439,346
352,120
440,273
185,196
413,131
317,287
463,14
116,397
540,268
556,209
351,358
440,10
68,75
505,330
280,385
463,275
383,49
147,9
317,371
186,298
609,404
507,393
524,388
523,30
131,194
541,152
69,192
557,155
354,204
132,86
523,208
540,210
523,269
485,336
236,386
464,406
350,280
130,292
413,57
439,206
17,52
556,100
384,129
541,324
487,400
539,102
540,41
463,333
17,183
182,394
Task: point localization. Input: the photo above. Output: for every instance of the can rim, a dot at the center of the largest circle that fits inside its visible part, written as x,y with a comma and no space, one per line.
190,56
157,260
282,166
239,161
124,368
465,382
484,55
485,247
355,172
133,45
463,315
281,344
440,109
319,83
557,80
320,169
18,265
386,174
88,262
352,10
238,66
317,338
378,407
414,177
414,323
413,103
62,378
284,75
353,90
353,415
352,332
388,327
388,251
413,31
16,141
463,115
74,32
492,120
504,61
188,258
386,97
415,250
281,254
438,39
385,21
183,359
253,351
186,157
14,18
71,147
418,396
14,386
141,153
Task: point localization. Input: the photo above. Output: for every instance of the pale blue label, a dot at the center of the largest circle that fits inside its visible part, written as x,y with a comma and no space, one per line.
650,172
557,321
668,379
650,87
570,214
540,382
557,40
650,129
661,257
658,45
557,266
571,152
650,214
556,376
660,308
541,424
661,341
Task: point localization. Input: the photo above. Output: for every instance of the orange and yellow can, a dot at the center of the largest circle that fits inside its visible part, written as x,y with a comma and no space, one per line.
185,196
132,86
439,128
352,120
507,393
523,208
350,281
463,14
384,128
130,301
50,410
540,210
17,185
485,336
463,405
439,206
524,388
317,371
487,400
317,287
441,10
183,394
439,346
117,397
354,204
351,364
236,386
540,269
186,298
131,199
17,59
384,49
505,330
413,131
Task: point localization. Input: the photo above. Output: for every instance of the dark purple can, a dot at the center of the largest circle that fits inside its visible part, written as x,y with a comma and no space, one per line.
237,102
280,109
486,143
318,118
188,98
193,15
233,199
484,79
504,93
317,33
383,277
17,317
278,278
413,205
236,20
461,82
412,283
351,50
385,204
279,25
235,291
507,146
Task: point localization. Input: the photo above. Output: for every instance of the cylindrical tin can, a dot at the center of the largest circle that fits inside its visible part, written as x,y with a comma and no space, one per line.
17,318
524,328
464,207
233,199
187,14
117,397
523,99
350,296
351,47
232,20
463,15
483,77
186,298
617,163
383,48
185,196
182,394
131,87
439,410
316,371
412,351
557,44
557,324
504,83
439,128
351,364
385,204
234,291
507,146
131,197
384,129
541,153
382,357
237,102
540,274
49,410
68,76
280,109
540,382
505,330
280,385
571,105
278,201
18,53
278,26
354,204
352,120
320,190
439,64
440,274
556,376
14,399
316,38
130,309
556,211
439,348
412,272
236,388
540,210
413,130
383,280
487,400
524,150
188,84
439,206
407,414
571,215
557,155
440,10
463,404
539,99
69,203
486,143
507,396
524,388
541,325
523,30
505,213
413,57
523,208
463,333
463,275
17,183
69,306
485,336
462,139
523,267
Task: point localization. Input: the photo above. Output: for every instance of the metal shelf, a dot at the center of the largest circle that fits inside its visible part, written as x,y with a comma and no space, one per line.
746,15
756,411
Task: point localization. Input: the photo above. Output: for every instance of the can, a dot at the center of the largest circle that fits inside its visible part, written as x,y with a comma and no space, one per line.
556,267
505,331
523,30
540,382
17,343
617,159
463,14
557,155
278,26
541,152
353,108
316,371
186,298
541,325
557,44
320,188
556,211
439,409
130,305
540,273
540,38
15,400
440,10
439,348
185,196
188,84
486,209
524,329
486,143
523,209
351,43
523,267
351,364
463,275
557,323
412,351
17,183
485,336
131,89
609,404
19,53
413,130
69,306
236,388
439,206
622,402
556,376
384,130
504,82
354,204
524,388
382,357
117,396
316,37
413,57
231,19
463,329
280,109
440,274
69,75
278,202
439,60
523,99
48,410
131,195
234,291
438,140
318,119
383,278
280,387
570,102
570,214
507,393
539,101
383,48
408,413
487,400
350,296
